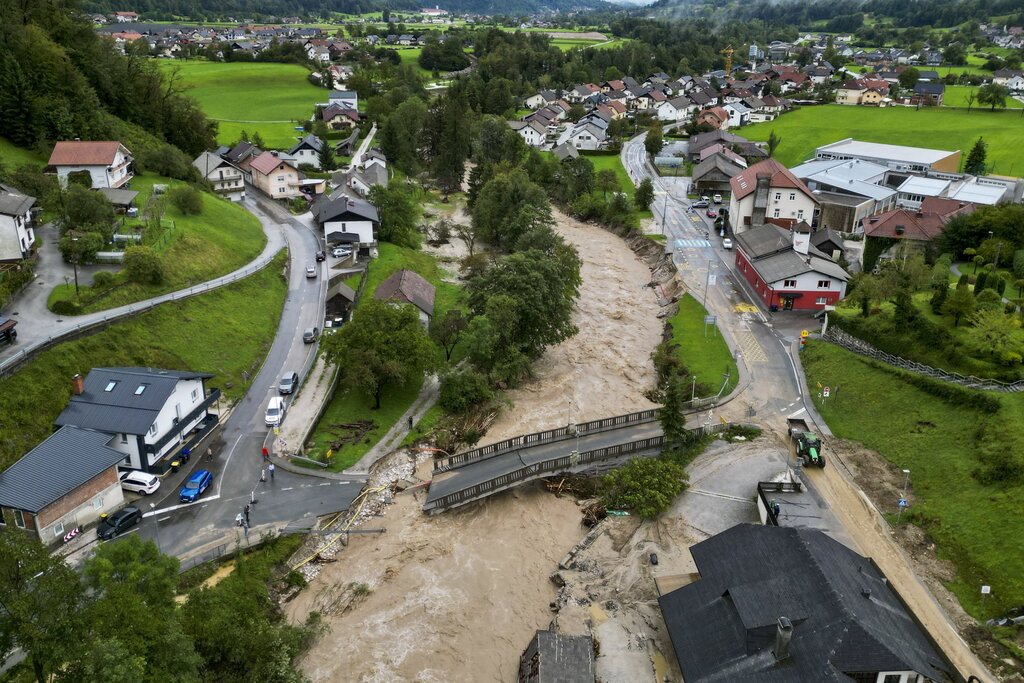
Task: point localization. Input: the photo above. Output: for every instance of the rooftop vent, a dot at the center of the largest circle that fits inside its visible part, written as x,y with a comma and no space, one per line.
783,636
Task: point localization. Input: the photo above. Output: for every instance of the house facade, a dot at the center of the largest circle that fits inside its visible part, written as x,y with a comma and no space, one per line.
275,177
768,192
226,178
17,236
347,220
108,164
307,151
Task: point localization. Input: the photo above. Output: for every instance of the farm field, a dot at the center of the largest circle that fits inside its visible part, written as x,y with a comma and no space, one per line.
956,96
256,97
804,130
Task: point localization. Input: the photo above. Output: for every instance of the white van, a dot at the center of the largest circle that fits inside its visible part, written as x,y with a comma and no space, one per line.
275,412
139,482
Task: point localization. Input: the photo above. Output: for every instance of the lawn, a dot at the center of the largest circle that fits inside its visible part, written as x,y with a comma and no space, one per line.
347,405
702,350
804,130
12,156
614,162
254,96
978,527
221,239
956,96
411,56
225,332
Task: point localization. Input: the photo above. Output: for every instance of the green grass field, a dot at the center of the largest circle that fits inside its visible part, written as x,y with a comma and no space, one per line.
804,130
411,56
977,527
969,69
614,162
703,352
238,93
956,96
348,405
222,238
225,332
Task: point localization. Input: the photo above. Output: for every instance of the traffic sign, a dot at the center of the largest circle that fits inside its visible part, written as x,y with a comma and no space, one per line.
985,590
826,392
804,333
903,503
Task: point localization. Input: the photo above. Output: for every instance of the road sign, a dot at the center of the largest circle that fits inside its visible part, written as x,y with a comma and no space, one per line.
804,333
985,590
826,392
903,503
712,279
710,319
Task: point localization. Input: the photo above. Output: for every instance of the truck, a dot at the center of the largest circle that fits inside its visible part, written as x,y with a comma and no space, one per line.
808,444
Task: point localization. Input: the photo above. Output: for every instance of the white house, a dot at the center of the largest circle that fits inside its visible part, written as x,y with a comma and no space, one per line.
769,192
146,413
16,234
739,114
226,178
346,219
107,163
307,151
346,99
532,132
584,136
676,109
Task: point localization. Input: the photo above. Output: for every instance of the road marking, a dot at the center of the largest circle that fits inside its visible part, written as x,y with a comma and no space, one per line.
178,507
744,307
752,350
802,410
726,496
792,366
228,460
288,489
693,244
327,483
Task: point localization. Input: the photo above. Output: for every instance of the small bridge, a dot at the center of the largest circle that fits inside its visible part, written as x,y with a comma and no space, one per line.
599,445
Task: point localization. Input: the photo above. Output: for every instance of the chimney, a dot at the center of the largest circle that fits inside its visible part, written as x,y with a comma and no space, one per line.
866,592
783,634
801,238
77,385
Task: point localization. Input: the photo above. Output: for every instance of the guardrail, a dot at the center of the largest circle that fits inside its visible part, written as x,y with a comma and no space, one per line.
560,464
847,341
8,365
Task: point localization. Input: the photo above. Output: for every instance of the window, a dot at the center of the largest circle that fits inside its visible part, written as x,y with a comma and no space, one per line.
152,428
775,214
124,438
3,520
792,196
824,284
892,678
821,300
97,503
280,178
789,283
800,214
195,392
58,529
110,385
280,190
19,519
778,196
141,388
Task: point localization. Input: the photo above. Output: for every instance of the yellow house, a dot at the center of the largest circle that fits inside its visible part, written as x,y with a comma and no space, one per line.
871,98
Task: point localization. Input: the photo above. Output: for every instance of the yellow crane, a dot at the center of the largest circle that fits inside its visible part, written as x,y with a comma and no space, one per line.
728,59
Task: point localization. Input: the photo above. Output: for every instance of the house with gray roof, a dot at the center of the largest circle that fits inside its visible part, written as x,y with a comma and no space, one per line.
65,482
408,287
362,180
348,220
149,415
307,150
17,236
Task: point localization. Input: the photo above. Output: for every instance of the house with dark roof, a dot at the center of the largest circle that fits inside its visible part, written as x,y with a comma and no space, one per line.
348,220
407,287
362,180
557,658
786,271
712,175
67,481
926,94
227,179
307,150
768,192
107,163
791,605
147,414
17,236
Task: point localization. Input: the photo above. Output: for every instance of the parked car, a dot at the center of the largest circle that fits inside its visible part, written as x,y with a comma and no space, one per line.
118,523
700,204
727,243
341,252
139,482
705,198
310,271
717,199
711,213
275,412
321,255
288,383
310,335
195,486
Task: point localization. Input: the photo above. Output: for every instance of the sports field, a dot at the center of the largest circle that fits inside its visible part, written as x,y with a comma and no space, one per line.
251,96
806,129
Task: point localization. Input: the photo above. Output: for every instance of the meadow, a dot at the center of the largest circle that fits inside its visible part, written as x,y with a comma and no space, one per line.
956,96
804,130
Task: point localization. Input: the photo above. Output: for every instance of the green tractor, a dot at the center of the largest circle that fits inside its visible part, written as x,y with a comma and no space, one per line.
808,444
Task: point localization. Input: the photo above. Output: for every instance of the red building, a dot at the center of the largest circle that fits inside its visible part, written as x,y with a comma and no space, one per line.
786,271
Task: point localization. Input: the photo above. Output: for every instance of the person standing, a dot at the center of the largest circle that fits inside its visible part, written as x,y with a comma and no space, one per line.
271,468
266,453
246,511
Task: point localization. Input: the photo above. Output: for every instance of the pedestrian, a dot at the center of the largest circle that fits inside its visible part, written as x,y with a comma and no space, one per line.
271,468
266,453
246,511
238,519
410,422
209,454
263,475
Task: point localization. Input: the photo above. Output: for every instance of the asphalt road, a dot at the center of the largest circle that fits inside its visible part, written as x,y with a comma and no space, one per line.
238,462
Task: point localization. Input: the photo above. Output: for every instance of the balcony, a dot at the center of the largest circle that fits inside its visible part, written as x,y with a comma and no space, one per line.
179,425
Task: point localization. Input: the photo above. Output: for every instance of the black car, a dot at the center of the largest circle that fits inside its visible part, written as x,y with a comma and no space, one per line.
310,335
321,255
118,523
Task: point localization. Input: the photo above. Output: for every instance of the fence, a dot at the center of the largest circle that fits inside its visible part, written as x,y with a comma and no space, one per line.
98,321
847,341
560,464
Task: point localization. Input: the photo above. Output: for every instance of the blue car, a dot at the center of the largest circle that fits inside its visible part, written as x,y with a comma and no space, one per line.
195,486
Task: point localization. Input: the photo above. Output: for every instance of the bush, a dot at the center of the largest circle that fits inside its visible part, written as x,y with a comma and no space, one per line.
647,486
463,390
66,307
102,279
980,282
187,199
143,265
953,394
166,160
963,281
1018,263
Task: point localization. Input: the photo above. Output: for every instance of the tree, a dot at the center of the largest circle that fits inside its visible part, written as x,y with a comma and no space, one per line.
971,98
993,332
647,486
143,265
326,156
397,213
654,140
80,247
463,390
976,158
954,54
773,142
186,199
257,140
507,206
383,346
446,330
86,211
938,299
644,196
909,77
960,305
607,181
670,414
401,136
994,95
41,601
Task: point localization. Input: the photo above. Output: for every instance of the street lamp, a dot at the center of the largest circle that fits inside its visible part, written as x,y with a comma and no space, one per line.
74,261
664,211
903,498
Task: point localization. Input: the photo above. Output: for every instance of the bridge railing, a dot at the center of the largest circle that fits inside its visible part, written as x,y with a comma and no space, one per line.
563,463
558,434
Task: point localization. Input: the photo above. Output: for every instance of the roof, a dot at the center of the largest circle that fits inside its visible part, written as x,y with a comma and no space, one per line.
923,186
846,618
769,248
855,148
904,224
311,141
14,203
566,151
267,162
407,287
80,153
745,182
979,193
924,88
67,459
720,162
208,162
118,197
342,204
241,151
122,409
558,658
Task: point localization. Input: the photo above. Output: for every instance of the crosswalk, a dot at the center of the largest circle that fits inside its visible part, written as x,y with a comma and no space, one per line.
693,244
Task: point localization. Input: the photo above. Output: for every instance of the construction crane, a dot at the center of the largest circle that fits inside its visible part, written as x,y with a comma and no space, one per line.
728,59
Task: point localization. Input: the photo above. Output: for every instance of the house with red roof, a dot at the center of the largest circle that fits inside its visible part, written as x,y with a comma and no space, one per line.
768,192
107,163
716,117
916,227
276,177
